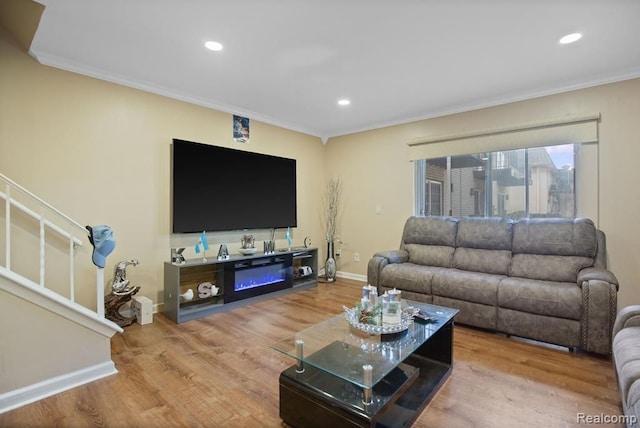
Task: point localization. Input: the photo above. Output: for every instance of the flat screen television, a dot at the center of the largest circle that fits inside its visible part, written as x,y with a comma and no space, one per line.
221,189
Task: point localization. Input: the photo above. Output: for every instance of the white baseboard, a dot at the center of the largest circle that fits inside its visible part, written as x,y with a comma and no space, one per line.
346,275
29,394
354,276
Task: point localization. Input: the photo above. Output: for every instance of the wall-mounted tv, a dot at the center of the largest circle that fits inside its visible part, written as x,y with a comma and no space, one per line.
221,189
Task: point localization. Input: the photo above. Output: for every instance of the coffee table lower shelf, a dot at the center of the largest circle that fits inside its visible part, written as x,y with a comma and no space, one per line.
318,399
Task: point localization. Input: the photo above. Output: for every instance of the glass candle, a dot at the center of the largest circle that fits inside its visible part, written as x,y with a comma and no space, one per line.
390,308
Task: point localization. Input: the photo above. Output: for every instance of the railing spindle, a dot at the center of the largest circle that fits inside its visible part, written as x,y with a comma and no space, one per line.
100,291
41,248
72,286
7,208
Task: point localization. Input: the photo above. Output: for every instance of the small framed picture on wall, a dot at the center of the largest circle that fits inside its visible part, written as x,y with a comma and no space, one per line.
240,129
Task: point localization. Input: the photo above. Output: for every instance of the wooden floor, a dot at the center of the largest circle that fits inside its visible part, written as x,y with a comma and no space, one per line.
219,371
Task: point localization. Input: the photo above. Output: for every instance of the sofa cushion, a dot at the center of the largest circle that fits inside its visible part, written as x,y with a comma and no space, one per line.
494,233
408,276
430,231
626,355
430,255
626,346
483,316
561,237
540,327
548,268
486,261
469,286
556,299
632,405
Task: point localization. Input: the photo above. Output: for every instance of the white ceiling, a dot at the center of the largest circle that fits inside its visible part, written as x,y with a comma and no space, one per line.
287,62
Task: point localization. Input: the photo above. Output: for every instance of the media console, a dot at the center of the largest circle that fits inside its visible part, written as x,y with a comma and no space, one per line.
219,285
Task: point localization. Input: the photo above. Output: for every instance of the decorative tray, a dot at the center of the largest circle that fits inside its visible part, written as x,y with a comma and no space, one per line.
406,319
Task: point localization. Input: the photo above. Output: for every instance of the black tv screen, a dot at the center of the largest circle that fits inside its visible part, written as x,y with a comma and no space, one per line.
222,189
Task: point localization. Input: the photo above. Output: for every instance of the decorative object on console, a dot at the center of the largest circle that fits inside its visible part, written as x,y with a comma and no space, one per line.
287,236
305,271
121,293
332,204
269,247
177,257
247,251
247,245
187,295
202,240
207,289
223,252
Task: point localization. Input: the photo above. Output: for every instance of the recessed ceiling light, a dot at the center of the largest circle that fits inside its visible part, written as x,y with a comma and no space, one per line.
344,102
570,38
214,46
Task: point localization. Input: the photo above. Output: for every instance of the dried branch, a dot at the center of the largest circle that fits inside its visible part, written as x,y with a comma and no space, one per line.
332,199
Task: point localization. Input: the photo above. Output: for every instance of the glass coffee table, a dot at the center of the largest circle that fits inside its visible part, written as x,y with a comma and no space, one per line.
346,377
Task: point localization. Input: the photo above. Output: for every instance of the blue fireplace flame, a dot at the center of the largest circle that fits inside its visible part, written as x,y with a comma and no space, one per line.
259,277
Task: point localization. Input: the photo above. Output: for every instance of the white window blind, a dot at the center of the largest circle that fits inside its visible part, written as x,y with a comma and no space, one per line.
583,130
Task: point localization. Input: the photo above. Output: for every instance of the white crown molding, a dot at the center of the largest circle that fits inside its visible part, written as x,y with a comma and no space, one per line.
462,108
63,64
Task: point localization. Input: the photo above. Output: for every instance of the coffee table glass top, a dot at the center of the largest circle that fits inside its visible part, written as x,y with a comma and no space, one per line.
341,350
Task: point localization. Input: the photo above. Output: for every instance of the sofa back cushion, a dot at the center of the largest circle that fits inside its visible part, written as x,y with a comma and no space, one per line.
553,249
489,233
430,231
548,268
430,255
478,260
430,240
558,237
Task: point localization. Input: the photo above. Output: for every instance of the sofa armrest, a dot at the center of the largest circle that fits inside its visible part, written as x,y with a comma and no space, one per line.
598,274
600,299
627,317
380,260
394,256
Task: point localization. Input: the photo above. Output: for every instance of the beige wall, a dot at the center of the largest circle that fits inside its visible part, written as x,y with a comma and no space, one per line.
100,153
375,168
32,350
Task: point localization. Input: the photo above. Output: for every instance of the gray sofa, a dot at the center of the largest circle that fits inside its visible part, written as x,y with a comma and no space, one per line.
543,279
626,357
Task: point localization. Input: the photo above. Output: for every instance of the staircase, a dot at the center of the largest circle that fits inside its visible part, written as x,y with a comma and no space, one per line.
53,333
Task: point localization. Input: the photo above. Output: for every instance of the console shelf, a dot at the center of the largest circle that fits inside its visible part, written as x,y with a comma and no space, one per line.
240,279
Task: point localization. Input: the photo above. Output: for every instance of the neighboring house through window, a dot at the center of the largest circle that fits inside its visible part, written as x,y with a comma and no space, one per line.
531,182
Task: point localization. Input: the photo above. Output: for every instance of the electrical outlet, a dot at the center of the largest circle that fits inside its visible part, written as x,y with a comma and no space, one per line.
338,252
356,257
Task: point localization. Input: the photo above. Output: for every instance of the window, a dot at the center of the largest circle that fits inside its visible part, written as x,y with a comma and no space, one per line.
532,182
433,198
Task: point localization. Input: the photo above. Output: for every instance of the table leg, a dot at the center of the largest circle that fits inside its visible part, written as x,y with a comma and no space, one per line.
300,355
368,380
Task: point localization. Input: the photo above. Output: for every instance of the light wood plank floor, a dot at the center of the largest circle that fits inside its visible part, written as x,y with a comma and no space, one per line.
219,371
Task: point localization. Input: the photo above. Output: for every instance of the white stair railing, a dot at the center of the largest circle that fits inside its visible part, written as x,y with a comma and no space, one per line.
11,191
